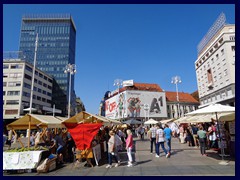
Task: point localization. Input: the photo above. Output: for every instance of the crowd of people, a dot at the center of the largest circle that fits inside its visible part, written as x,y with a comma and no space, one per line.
118,138
204,136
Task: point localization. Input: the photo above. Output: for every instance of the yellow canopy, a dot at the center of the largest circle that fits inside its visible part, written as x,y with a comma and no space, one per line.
85,117
35,120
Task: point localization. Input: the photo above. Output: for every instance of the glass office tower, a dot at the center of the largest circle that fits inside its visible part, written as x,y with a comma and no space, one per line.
56,49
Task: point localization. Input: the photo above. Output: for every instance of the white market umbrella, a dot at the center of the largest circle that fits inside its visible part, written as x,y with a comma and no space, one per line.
28,109
215,109
151,121
181,119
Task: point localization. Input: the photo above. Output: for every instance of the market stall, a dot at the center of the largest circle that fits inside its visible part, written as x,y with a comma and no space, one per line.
83,127
28,158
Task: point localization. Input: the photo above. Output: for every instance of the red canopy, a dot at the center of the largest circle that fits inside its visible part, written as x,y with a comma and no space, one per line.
83,134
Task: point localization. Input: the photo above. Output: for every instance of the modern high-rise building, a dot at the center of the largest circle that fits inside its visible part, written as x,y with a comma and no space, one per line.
215,65
56,49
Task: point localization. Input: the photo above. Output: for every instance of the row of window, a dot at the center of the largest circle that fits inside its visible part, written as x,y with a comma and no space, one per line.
12,75
218,96
11,111
12,84
12,66
50,38
207,54
38,74
48,29
42,99
18,83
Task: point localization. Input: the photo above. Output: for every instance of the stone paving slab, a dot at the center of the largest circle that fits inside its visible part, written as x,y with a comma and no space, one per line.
184,160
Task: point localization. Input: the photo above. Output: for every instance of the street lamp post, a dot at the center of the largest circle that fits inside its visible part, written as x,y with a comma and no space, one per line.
176,80
118,83
33,76
71,69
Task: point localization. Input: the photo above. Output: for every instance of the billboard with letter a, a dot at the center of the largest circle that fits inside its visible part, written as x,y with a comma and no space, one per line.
132,104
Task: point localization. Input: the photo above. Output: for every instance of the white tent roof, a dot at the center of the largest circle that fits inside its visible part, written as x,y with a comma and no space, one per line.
151,121
213,108
206,118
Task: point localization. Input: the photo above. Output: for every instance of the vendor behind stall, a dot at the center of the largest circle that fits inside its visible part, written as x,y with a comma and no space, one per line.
59,144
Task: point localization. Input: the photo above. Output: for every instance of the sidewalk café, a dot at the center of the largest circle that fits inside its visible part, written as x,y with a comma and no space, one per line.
224,119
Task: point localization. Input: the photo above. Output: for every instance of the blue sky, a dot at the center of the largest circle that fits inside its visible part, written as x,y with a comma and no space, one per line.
143,42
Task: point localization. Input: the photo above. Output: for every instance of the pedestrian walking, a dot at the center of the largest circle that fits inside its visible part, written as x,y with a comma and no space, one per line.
168,135
160,141
112,150
202,140
195,136
152,138
129,146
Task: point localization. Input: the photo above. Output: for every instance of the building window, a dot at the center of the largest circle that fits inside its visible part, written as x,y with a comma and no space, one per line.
39,82
11,111
28,77
13,93
222,52
232,38
26,94
5,66
225,72
209,75
217,56
12,102
5,75
15,75
28,68
14,84
233,48
16,66
221,40
26,85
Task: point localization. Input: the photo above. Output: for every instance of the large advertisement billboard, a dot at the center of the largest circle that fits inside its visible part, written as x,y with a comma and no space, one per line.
133,104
